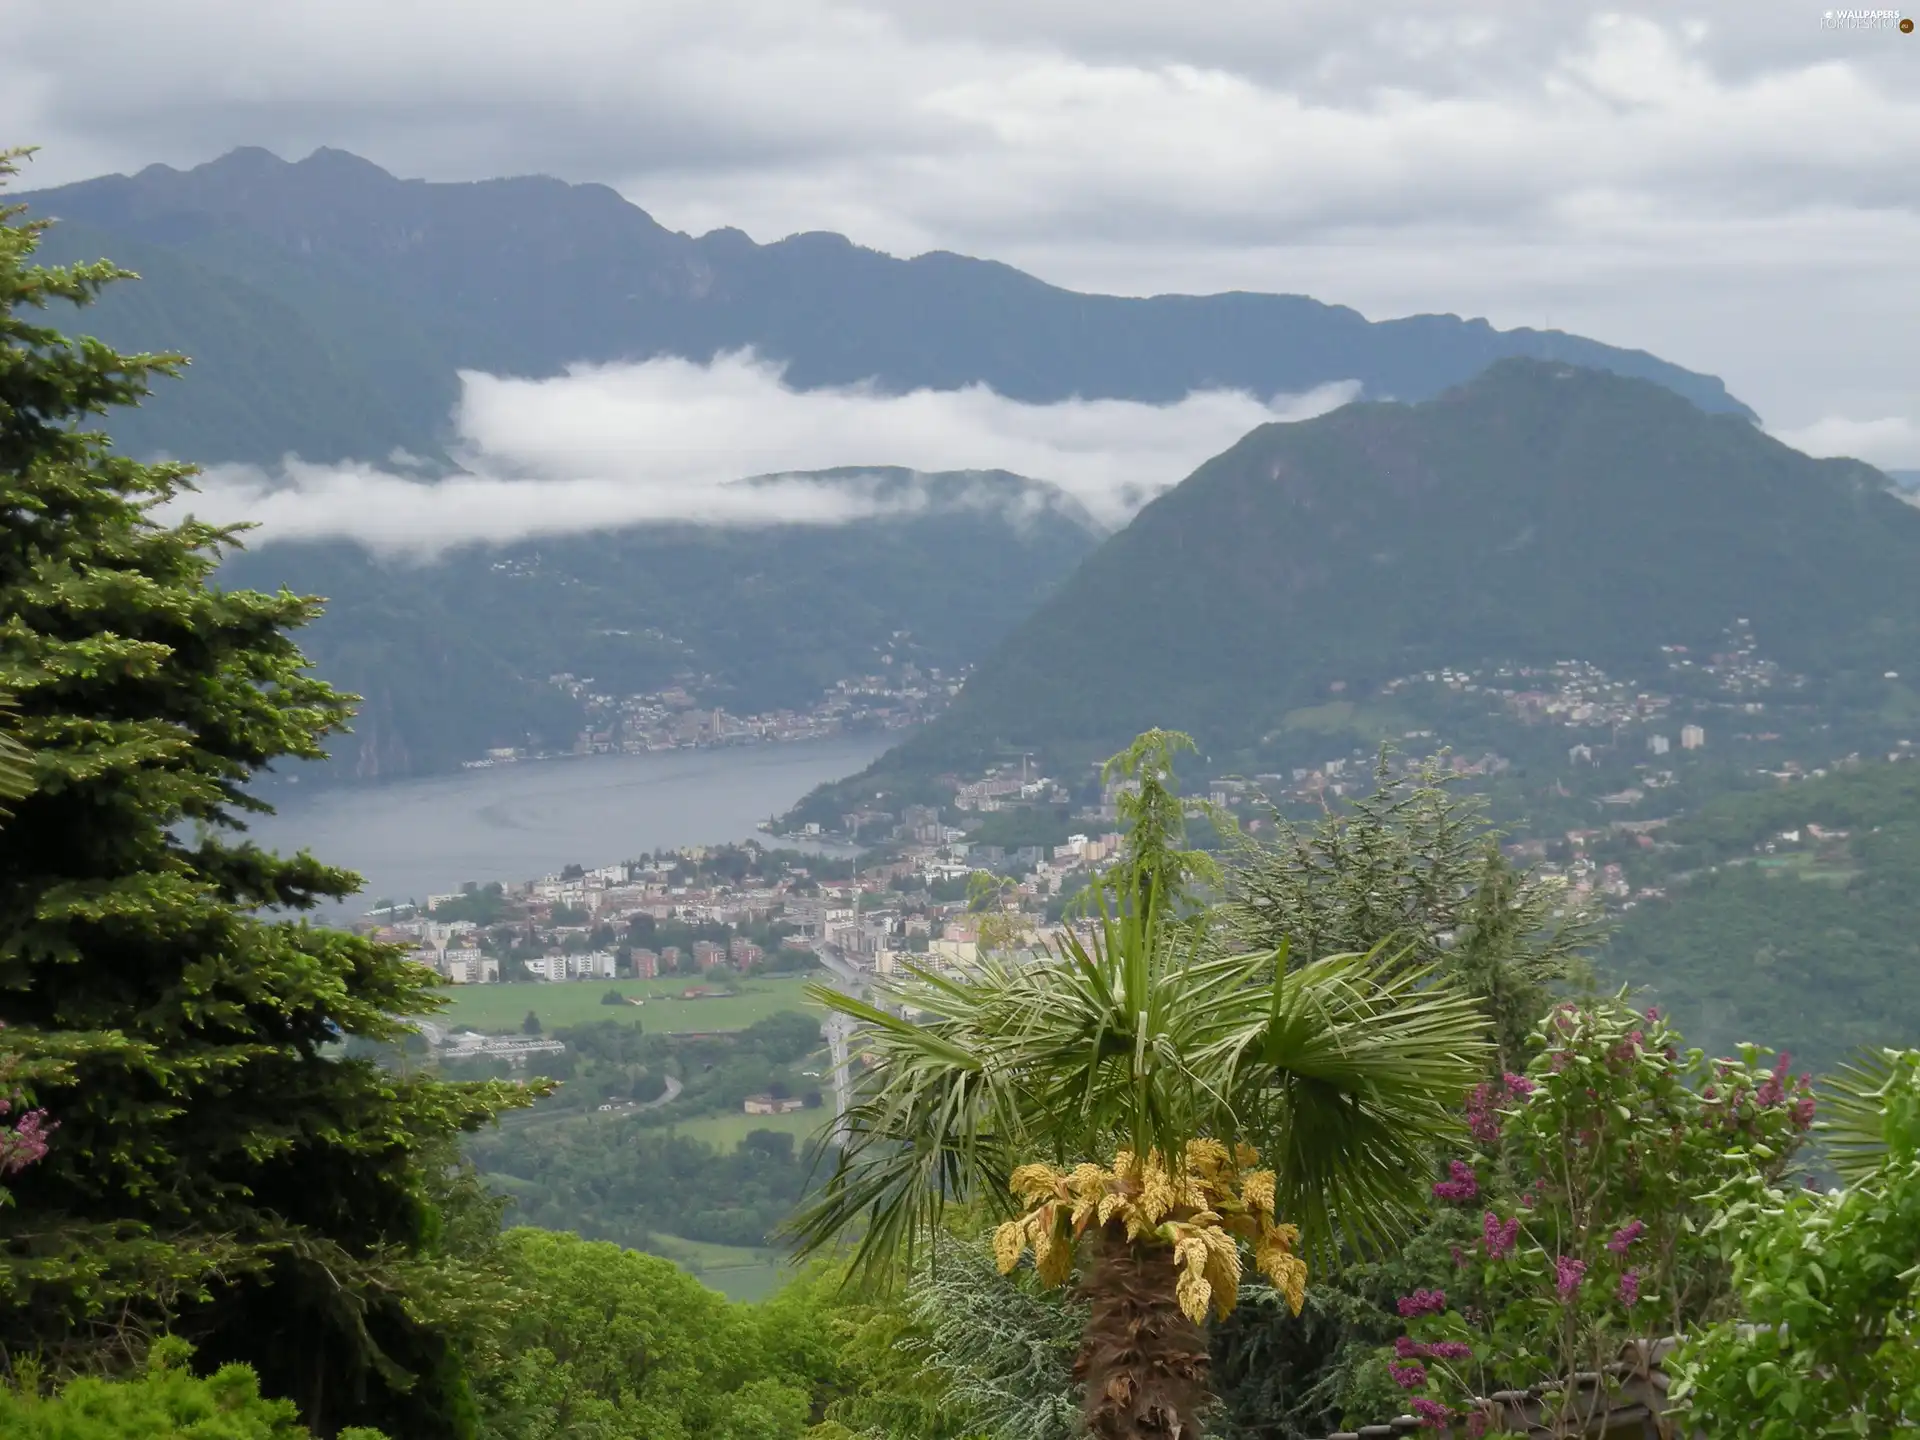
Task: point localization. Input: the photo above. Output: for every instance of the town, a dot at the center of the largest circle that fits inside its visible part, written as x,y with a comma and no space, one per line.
912,887
686,716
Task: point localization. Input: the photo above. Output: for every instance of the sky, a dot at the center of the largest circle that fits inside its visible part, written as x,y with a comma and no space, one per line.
1733,186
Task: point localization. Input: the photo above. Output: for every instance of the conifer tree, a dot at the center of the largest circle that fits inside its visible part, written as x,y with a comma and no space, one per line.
220,1167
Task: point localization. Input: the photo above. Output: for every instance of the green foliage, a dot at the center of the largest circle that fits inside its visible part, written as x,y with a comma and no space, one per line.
1153,862
1341,1072
481,904
1854,798
1415,867
1003,1350
1815,946
1281,1376
1043,825
615,1345
166,1401
1598,1178
865,1355
217,1167
614,1179
1828,1340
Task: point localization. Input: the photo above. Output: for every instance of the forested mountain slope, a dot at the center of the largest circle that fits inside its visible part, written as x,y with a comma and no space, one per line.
1540,512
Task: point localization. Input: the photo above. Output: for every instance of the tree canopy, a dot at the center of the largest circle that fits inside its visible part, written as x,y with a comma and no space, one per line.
219,1167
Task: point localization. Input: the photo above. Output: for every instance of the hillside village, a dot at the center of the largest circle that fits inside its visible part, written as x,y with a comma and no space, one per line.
689,715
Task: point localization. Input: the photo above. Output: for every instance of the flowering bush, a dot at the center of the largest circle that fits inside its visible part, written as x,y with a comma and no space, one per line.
1592,1175
23,1137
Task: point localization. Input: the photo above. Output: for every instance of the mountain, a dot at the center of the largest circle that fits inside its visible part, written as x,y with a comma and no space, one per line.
383,289
1540,512
267,374
456,656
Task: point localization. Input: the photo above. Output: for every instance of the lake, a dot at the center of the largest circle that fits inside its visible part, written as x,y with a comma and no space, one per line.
414,838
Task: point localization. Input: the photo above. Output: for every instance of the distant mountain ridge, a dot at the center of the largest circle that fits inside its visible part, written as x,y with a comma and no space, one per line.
366,294
1538,513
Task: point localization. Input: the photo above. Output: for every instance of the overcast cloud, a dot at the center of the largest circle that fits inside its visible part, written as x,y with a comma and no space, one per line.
665,440
1729,185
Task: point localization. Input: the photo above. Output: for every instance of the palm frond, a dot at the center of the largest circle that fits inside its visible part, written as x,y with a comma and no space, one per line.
1854,1105
1348,1082
1344,1072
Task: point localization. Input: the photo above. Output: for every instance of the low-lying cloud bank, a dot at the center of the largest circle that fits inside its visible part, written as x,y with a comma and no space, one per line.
1892,443
668,440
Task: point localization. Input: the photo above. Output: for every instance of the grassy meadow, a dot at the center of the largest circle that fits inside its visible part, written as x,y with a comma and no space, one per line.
500,1009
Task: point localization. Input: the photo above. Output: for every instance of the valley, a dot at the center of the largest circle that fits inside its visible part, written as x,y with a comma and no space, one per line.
612,828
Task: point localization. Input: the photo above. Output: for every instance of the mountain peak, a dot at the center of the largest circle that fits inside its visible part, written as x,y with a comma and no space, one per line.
327,161
1540,511
242,160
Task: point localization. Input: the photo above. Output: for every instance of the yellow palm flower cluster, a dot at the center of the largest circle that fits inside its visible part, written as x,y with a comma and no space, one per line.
1199,1210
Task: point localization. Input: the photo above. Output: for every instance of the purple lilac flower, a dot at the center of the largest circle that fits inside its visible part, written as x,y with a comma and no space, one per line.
1476,1425
25,1143
1625,1236
1803,1112
1498,1235
1629,1291
1422,1302
1653,1014
1462,1186
1567,1275
1408,1377
1431,1412
1482,1122
1518,1085
1405,1347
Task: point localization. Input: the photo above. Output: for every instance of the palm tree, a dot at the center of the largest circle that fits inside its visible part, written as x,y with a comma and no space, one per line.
1122,1088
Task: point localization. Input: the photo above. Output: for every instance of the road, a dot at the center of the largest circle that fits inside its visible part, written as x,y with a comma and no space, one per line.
838,1029
665,1097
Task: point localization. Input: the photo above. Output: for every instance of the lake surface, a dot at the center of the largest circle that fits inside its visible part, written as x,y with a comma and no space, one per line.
415,838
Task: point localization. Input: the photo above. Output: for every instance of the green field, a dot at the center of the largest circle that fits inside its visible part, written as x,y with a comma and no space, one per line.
726,1131
738,1272
1807,866
500,1009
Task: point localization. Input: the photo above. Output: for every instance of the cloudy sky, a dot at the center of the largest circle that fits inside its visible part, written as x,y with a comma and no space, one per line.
1733,186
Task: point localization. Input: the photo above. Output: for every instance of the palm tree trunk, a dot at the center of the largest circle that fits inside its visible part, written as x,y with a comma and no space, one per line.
1143,1363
